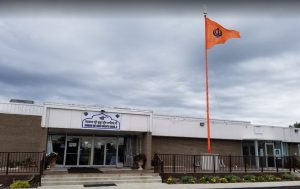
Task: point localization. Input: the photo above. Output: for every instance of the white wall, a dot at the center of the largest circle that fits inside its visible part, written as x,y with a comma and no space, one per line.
70,117
220,129
22,109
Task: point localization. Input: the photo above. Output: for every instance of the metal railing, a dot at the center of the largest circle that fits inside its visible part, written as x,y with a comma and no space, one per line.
182,163
22,163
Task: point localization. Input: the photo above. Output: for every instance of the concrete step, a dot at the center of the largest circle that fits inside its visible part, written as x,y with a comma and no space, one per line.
78,179
98,175
100,182
99,178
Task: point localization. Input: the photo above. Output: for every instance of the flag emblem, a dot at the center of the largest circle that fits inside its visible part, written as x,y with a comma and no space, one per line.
217,32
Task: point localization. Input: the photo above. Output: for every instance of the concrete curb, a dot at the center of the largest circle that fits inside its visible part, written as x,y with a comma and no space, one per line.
182,186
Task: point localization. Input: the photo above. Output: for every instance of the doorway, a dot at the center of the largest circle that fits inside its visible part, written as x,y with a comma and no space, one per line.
270,154
89,151
105,151
72,151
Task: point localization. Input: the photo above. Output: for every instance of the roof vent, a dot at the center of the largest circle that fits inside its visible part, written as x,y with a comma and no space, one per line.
21,101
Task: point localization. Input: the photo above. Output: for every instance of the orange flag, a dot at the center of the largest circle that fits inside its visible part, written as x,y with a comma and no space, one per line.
217,34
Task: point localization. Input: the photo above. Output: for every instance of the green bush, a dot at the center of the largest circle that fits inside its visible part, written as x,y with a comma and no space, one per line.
188,180
260,179
270,178
170,180
212,179
203,180
223,180
20,184
232,178
278,179
249,178
288,176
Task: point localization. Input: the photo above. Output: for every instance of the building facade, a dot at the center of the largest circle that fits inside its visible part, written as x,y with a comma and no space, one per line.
110,137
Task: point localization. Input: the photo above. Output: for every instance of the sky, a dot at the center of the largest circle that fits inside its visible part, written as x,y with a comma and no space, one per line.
151,56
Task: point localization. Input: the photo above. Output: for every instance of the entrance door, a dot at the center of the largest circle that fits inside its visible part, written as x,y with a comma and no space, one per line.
105,151
270,155
85,151
72,151
78,151
99,151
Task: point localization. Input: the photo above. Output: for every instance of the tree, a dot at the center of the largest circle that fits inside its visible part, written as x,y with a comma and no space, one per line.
296,125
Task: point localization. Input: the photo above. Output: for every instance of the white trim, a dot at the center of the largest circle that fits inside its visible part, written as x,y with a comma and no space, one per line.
97,108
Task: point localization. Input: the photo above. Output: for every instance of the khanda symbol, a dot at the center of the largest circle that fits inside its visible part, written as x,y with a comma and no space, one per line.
217,32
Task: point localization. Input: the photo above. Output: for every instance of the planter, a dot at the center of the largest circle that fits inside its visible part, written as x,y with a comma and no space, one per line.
51,160
140,164
140,161
52,164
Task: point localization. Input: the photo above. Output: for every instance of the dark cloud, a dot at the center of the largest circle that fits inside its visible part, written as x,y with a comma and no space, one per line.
154,60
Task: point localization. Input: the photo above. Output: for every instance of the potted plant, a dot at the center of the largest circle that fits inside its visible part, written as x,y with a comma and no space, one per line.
140,160
51,159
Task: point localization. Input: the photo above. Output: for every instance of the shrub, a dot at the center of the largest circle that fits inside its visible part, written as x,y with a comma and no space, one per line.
232,178
261,179
288,176
270,178
20,184
249,178
203,180
188,180
170,180
278,179
212,179
223,180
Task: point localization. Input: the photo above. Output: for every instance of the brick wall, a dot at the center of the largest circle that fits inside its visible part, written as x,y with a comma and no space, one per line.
176,145
21,133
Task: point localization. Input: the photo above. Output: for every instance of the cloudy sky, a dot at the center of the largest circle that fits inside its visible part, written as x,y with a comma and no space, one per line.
151,56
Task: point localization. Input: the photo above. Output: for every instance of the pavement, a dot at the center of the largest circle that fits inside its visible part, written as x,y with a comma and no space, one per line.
269,185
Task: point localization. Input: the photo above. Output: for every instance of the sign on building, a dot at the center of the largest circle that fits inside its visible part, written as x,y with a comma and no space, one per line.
101,120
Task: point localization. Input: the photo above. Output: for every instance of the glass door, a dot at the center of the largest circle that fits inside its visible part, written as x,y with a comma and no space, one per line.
99,151
85,152
72,151
111,152
105,151
270,155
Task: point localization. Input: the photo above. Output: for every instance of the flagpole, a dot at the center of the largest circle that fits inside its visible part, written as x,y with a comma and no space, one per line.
207,98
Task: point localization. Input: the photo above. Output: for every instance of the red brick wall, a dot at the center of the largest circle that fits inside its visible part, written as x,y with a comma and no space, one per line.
180,145
22,133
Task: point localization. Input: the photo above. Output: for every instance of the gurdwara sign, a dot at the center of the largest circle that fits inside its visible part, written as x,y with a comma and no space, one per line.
101,120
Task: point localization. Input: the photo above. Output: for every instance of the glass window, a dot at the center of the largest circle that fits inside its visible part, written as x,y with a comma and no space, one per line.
261,148
248,148
285,149
121,150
